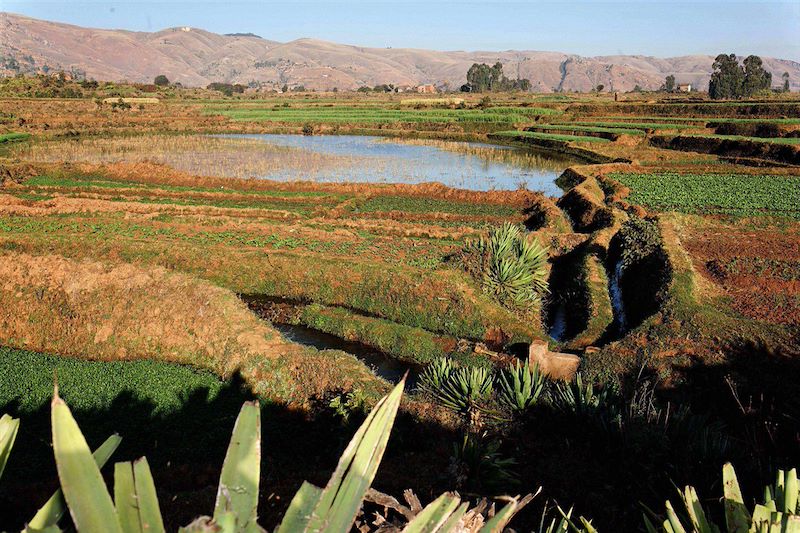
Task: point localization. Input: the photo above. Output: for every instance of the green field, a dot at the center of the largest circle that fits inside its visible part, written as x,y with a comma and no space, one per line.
379,115
632,125
552,136
729,194
563,126
773,140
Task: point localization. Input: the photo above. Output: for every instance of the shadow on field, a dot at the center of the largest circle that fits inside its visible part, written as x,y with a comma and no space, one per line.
186,448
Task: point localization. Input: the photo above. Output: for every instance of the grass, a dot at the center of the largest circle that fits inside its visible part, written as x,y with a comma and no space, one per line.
13,137
589,128
379,115
551,137
770,140
729,194
410,204
631,125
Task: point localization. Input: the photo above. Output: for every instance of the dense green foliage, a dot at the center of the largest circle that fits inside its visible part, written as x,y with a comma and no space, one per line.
730,194
94,385
482,78
589,128
730,80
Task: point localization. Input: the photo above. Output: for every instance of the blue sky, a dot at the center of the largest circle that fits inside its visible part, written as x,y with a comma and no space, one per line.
586,27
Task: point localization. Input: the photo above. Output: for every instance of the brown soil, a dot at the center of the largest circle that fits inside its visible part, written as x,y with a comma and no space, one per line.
764,294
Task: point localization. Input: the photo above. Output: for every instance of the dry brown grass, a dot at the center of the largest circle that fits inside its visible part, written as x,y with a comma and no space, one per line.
123,312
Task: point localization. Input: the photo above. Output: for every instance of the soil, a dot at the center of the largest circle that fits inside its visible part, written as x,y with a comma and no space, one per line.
758,268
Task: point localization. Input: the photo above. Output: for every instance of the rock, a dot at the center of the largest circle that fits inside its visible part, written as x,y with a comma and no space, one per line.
555,365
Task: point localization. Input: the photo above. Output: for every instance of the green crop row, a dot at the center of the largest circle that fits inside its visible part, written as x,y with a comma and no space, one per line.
551,136
633,125
772,140
362,115
410,204
575,126
729,194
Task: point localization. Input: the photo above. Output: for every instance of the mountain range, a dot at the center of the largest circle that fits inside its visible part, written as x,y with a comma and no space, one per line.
195,57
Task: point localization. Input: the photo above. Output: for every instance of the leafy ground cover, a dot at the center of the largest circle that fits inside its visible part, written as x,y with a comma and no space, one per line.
729,194
589,128
633,125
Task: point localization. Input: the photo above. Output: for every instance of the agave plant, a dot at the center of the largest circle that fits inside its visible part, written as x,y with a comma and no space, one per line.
520,386
578,398
135,508
778,513
466,388
8,433
513,268
433,378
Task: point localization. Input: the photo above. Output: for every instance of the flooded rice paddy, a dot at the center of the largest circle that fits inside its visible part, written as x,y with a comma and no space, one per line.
324,158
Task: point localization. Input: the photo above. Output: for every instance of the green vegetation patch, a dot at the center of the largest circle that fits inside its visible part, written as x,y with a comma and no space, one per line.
729,194
589,129
771,140
13,137
411,204
93,385
551,136
381,115
633,125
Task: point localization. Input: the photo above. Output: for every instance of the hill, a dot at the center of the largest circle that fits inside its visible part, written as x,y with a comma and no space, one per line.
195,57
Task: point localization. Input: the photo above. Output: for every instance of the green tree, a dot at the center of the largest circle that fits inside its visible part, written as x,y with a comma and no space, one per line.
669,83
756,78
727,78
161,80
483,78
479,77
785,82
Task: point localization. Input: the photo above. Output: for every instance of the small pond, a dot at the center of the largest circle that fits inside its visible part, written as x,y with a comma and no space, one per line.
323,158
465,165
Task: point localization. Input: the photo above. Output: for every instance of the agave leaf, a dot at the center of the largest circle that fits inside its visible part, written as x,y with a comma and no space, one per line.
125,498
85,492
8,434
341,498
52,511
149,510
792,490
435,515
673,520
238,483
300,509
499,521
736,516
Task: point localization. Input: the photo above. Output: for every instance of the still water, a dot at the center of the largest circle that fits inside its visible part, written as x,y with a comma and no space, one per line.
367,159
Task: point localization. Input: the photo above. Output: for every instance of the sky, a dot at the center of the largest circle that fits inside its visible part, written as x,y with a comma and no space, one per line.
585,27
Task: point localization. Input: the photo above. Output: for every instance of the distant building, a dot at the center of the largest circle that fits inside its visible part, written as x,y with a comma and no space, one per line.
684,87
426,89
